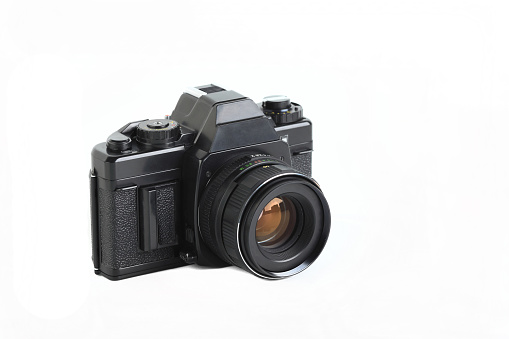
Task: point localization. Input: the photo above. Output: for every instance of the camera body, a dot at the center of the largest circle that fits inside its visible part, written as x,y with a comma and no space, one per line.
148,179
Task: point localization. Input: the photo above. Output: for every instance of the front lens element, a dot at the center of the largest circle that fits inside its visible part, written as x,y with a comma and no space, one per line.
276,222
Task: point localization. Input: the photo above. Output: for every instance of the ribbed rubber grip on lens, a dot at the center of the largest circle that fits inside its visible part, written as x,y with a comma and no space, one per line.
231,217
209,209
207,214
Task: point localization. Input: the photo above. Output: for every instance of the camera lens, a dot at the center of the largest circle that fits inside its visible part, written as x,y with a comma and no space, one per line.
264,216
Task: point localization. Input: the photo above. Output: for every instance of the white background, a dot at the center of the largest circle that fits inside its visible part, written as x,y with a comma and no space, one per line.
410,105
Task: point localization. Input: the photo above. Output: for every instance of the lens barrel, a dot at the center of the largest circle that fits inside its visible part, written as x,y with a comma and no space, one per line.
264,216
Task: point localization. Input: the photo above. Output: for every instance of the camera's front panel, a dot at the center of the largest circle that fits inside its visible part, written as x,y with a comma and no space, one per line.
298,135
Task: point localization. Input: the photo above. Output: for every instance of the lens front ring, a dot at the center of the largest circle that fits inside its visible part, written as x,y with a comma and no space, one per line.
308,238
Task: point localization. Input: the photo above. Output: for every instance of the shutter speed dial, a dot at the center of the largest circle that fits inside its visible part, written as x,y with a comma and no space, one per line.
158,131
276,102
281,109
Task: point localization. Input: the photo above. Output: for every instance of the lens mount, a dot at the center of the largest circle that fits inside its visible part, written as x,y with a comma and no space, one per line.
265,217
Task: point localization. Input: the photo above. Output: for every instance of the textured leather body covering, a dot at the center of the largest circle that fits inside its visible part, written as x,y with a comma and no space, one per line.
302,163
118,229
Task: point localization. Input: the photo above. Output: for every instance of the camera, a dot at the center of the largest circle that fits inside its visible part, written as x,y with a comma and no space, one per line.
221,181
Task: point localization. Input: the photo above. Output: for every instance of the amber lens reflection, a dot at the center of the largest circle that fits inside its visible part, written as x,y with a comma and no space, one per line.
276,222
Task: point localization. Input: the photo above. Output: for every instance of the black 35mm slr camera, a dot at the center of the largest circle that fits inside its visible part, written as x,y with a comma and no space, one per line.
222,181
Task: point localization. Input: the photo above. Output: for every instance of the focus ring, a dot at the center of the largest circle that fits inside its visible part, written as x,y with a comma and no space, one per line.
209,195
230,223
209,213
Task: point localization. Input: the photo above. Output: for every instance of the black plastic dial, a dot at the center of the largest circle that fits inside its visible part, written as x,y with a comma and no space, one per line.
158,131
281,109
276,102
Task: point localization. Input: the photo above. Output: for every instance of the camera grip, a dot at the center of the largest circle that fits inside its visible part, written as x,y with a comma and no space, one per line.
118,231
